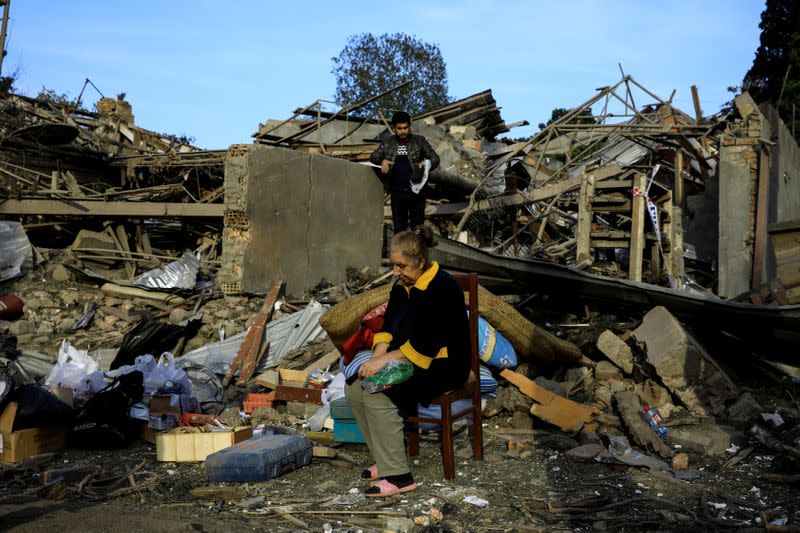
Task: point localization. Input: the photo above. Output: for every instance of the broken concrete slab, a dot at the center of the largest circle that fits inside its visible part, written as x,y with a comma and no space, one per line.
706,439
686,369
615,349
640,431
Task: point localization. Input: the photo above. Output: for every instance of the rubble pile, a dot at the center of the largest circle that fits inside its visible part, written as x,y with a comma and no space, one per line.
637,270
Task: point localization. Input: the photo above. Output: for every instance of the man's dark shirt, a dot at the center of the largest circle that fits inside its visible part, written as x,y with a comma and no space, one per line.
400,175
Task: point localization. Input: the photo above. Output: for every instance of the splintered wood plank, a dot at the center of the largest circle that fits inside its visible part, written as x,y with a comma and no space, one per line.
323,362
562,412
298,394
251,348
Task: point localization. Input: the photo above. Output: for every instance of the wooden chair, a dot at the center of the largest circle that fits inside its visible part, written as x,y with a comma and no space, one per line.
470,389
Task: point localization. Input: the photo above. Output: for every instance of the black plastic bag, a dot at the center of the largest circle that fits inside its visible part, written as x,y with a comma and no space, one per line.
151,336
103,422
38,407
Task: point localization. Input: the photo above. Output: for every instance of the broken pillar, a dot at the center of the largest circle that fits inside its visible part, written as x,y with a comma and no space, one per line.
683,365
738,184
298,217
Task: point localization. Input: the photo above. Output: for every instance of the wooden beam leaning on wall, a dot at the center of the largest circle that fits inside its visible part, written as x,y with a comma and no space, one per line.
637,230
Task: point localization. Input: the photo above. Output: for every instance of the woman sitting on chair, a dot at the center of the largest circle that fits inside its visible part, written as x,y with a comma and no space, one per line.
425,323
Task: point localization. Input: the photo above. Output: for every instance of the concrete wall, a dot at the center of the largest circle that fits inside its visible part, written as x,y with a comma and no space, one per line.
297,217
784,171
784,183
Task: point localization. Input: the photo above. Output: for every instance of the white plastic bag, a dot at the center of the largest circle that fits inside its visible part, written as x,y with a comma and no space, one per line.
166,374
317,420
143,363
334,390
71,370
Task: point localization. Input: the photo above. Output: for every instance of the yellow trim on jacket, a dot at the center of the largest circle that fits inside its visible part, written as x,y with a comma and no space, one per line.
383,336
422,361
425,279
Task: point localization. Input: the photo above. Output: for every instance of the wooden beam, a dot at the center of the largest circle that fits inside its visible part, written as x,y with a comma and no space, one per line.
676,246
543,193
678,187
110,209
637,231
583,232
760,229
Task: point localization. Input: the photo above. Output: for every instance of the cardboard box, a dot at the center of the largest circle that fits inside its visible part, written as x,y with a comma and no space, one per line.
183,445
16,446
176,404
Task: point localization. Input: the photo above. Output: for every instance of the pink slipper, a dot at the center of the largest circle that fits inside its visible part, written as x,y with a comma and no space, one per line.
387,489
370,474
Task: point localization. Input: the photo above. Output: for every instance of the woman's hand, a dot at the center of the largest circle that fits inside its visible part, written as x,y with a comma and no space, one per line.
372,365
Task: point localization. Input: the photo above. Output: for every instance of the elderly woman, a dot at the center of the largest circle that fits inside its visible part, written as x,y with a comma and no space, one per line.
426,324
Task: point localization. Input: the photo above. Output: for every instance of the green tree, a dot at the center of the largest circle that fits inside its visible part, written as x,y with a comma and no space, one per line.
369,65
584,117
775,74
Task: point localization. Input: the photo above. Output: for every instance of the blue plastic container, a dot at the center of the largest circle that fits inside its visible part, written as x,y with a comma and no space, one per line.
345,428
259,459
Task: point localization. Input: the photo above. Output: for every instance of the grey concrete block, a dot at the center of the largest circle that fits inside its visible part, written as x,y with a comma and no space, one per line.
615,349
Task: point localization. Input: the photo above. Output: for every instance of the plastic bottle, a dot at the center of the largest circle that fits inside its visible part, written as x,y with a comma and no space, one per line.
654,419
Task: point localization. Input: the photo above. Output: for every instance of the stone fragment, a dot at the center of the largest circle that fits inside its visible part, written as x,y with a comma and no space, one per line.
745,409
21,327
521,420
615,349
45,329
587,452
61,273
603,395
606,371
519,445
578,378
653,394
589,437
553,386
178,315
680,461
683,365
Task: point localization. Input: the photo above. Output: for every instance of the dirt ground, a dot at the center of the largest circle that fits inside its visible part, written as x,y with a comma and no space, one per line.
540,491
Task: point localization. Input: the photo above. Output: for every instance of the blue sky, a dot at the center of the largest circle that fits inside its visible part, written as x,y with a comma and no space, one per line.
214,70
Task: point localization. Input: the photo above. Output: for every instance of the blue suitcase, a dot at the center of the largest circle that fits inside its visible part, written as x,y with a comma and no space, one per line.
259,459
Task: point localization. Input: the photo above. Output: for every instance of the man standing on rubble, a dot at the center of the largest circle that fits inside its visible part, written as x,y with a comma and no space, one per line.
405,159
